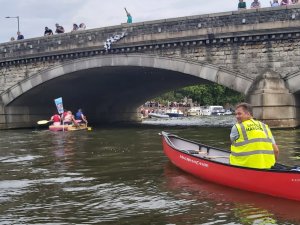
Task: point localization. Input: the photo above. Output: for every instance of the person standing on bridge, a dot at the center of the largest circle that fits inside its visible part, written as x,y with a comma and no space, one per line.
274,3
255,4
252,143
284,2
242,5
48,31
129,17
59,29
82,26
20,36
75,27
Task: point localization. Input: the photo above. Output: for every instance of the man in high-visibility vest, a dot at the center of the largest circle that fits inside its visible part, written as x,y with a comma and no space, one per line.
252,143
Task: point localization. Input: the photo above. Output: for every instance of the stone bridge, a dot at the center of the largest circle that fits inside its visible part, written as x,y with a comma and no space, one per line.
255,52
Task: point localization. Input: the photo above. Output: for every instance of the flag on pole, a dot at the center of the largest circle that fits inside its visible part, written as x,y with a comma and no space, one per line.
59,105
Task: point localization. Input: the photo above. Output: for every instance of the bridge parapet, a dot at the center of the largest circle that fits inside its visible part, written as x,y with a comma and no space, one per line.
235,24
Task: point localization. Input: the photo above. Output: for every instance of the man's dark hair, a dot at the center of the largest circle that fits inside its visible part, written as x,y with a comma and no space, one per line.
246,107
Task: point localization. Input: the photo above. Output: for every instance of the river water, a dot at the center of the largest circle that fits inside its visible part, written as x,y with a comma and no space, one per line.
119,175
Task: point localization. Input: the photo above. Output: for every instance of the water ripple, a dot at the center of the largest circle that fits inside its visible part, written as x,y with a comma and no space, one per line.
120,176
20,159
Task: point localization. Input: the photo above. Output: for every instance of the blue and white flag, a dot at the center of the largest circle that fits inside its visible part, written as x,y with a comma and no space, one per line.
59,105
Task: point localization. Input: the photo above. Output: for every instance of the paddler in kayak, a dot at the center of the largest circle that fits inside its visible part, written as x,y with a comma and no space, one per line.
69,119
80,117
252,142
55,119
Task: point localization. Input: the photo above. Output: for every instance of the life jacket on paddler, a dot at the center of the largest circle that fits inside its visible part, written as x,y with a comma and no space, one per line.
56,118
253,148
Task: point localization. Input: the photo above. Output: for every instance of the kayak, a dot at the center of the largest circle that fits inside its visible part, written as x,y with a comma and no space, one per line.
212,164
68,127
158,115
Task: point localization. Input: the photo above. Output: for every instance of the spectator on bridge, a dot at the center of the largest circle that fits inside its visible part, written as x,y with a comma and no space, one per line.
81,26
284,2
59,29
75,27
129,17
48,31
242,5
274,3
255,4
20,36
12,39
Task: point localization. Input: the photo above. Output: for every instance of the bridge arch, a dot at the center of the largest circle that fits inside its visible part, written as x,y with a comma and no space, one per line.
109,88
293,82
212,73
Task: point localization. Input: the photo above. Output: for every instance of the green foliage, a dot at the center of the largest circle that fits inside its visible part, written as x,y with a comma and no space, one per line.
205,94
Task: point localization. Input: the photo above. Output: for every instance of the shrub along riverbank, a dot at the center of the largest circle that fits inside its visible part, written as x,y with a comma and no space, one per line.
203,94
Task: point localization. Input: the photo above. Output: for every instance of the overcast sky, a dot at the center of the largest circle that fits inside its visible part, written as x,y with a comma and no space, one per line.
36,14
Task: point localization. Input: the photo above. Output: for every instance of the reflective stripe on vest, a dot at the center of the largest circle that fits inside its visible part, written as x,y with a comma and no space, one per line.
252,153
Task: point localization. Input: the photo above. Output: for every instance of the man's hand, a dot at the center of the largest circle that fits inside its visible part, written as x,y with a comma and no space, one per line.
276,151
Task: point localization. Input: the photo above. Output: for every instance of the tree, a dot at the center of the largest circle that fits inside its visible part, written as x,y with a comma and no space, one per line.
205,94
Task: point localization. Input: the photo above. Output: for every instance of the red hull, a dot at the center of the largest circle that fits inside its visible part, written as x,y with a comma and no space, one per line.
284,184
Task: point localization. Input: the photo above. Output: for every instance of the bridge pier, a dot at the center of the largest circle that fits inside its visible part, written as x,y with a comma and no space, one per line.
272,101
2,116
12,117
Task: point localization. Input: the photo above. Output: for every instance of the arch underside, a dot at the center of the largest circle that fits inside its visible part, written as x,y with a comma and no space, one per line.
106,95
109,89
293,82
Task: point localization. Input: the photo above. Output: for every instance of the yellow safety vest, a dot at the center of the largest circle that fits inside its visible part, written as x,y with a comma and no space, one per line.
254,147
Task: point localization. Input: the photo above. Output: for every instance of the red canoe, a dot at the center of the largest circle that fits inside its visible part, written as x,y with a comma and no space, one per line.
212,164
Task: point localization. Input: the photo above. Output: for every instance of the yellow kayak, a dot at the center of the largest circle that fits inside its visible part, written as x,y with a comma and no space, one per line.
68,127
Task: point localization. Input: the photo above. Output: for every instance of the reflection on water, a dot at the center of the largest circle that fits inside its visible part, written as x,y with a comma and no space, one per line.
245,207
120,176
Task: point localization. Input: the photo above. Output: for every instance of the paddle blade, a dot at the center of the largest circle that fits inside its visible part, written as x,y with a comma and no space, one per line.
41,122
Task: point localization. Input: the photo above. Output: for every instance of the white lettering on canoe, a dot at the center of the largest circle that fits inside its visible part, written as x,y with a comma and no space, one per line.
194,161
296,180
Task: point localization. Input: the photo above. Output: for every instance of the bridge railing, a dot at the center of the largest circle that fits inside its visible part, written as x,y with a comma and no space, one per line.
232,24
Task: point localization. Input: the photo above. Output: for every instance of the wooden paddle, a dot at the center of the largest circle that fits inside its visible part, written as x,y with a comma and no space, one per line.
41,122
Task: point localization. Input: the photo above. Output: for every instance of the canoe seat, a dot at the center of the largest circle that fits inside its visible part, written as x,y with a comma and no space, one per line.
193,152
221,160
